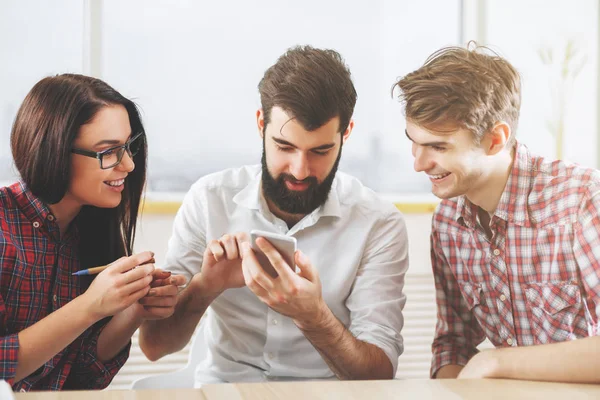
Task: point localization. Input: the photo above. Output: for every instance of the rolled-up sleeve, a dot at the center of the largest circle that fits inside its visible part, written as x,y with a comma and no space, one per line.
9,346
88,372
587,252
377,299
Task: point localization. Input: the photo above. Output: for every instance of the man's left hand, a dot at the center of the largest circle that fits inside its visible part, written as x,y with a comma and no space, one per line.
295,295
484,364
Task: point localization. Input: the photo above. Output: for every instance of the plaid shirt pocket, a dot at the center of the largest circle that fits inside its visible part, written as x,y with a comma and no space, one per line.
556,311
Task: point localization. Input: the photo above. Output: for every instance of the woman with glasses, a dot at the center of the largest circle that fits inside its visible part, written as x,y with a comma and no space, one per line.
80,149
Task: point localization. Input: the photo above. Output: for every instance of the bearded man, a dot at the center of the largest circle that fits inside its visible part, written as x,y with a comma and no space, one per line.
340,314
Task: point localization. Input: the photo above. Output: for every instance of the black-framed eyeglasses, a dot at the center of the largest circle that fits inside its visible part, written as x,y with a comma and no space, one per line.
112,157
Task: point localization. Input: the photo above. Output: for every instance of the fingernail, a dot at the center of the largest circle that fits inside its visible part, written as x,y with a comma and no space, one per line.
151,293
302,257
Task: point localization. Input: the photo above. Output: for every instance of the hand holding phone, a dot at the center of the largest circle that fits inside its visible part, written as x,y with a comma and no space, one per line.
285,245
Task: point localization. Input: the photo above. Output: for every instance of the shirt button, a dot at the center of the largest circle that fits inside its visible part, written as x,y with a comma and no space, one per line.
55,298
271,355
502,297
496,252
509,341
36,224
50,217
274,322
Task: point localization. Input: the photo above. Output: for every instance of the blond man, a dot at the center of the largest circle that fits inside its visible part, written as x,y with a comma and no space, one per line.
515,245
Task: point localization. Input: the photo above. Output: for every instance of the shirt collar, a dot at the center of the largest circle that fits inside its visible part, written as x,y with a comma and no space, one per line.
34,209
332,206
513,201
252,198
466,212
38,212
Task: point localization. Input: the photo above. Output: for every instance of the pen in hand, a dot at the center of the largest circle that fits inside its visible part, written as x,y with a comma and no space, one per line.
97,270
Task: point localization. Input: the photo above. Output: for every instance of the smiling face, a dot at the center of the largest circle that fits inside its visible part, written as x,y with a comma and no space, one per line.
299,166
454,163
89,184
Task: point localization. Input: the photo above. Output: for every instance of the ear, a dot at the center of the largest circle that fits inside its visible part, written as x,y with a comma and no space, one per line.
498,137
260,122
346,134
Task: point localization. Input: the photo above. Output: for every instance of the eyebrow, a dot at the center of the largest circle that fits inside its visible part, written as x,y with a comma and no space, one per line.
282,142
111,141
429,144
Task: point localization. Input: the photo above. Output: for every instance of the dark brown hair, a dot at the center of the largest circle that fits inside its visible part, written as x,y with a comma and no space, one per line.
312,85
42,136
463,87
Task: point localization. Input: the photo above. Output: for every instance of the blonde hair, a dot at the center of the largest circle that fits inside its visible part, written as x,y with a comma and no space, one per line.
462,88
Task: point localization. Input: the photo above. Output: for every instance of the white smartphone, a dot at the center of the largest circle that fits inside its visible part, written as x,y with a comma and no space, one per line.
285,245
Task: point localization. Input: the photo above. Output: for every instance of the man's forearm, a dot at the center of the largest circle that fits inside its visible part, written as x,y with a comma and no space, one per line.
579,361
348,357
161,337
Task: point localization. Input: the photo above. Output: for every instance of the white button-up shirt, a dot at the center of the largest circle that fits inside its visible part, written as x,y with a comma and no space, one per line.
356,241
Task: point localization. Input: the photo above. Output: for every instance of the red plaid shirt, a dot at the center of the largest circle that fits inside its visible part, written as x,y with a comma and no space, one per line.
537,280
35,280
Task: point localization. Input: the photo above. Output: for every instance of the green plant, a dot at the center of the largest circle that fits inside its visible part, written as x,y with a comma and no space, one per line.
564,69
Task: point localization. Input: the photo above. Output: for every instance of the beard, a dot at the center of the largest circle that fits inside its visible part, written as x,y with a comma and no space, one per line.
293,201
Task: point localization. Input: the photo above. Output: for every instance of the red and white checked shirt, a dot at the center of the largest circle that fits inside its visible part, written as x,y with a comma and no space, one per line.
35,280
537,280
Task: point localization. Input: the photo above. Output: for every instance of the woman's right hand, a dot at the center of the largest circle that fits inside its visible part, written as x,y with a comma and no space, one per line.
120,285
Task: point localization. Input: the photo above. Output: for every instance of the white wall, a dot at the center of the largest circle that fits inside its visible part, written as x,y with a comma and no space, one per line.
34,42
193,67
196,67
518,30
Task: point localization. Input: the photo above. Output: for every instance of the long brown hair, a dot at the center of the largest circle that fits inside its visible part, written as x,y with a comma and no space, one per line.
42,136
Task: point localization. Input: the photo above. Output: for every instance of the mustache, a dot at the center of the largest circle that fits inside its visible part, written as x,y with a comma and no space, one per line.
288,177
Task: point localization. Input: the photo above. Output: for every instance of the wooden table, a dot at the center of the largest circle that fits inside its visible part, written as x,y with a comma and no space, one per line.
370,390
